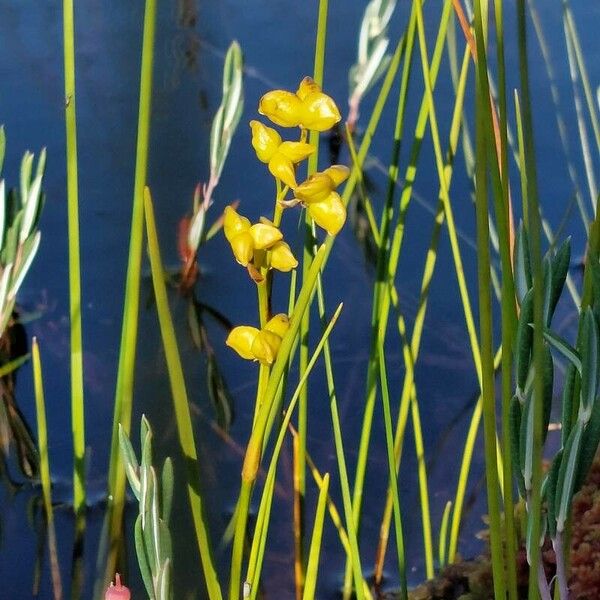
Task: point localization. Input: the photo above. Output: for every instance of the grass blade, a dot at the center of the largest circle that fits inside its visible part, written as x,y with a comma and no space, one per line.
180,401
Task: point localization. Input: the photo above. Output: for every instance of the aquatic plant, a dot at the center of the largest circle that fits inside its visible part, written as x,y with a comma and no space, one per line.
155,495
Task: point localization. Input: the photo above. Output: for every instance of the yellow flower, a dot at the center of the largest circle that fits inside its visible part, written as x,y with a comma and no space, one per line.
241,339
308,108
250,242
259,344
282,258
264,235
322,202
280,156
278,324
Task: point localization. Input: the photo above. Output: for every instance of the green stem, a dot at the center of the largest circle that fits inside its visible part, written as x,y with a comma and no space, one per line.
77,399
485,319
127,353
534,229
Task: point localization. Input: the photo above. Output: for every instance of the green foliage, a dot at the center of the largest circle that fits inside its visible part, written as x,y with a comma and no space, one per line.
154,494
19,233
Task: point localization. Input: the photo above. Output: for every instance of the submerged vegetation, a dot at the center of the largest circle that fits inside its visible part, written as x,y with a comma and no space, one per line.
538,383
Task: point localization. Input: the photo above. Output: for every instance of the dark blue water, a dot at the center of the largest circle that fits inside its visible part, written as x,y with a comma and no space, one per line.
277,40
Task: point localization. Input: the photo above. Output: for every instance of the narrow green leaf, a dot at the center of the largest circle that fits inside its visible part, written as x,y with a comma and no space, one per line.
25,176
548,376
523,281
551,483
568,397
167,479
515,431
523,340
2,146
547,267
131,463
567,476
140,550
312,570
564,348
560,269
589,352
589,445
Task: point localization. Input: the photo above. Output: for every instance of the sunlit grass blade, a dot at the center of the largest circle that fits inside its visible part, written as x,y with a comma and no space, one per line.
585,80
180,401
77,400
581,125
307,256
411,352
387,418
127,349
560,121
312,569
485,307
40,411
443,540
530,197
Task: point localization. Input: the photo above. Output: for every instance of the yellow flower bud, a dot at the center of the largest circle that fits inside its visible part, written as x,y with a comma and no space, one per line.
243,247
264,235
338,174
278,324
234,223
307,86
283,108
309,107
282,168
241,339
265,346
316,188
330,214
282,258
296,151
321,112
265,141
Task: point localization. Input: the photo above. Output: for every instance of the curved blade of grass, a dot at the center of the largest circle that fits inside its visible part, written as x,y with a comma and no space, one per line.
387,262
40,411
180,401
300,466
411,352
127,349
312,570
387,417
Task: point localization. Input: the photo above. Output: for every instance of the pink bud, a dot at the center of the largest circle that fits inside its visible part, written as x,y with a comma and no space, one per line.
116,591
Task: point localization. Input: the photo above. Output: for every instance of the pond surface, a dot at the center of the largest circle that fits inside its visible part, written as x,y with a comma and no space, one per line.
277,39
